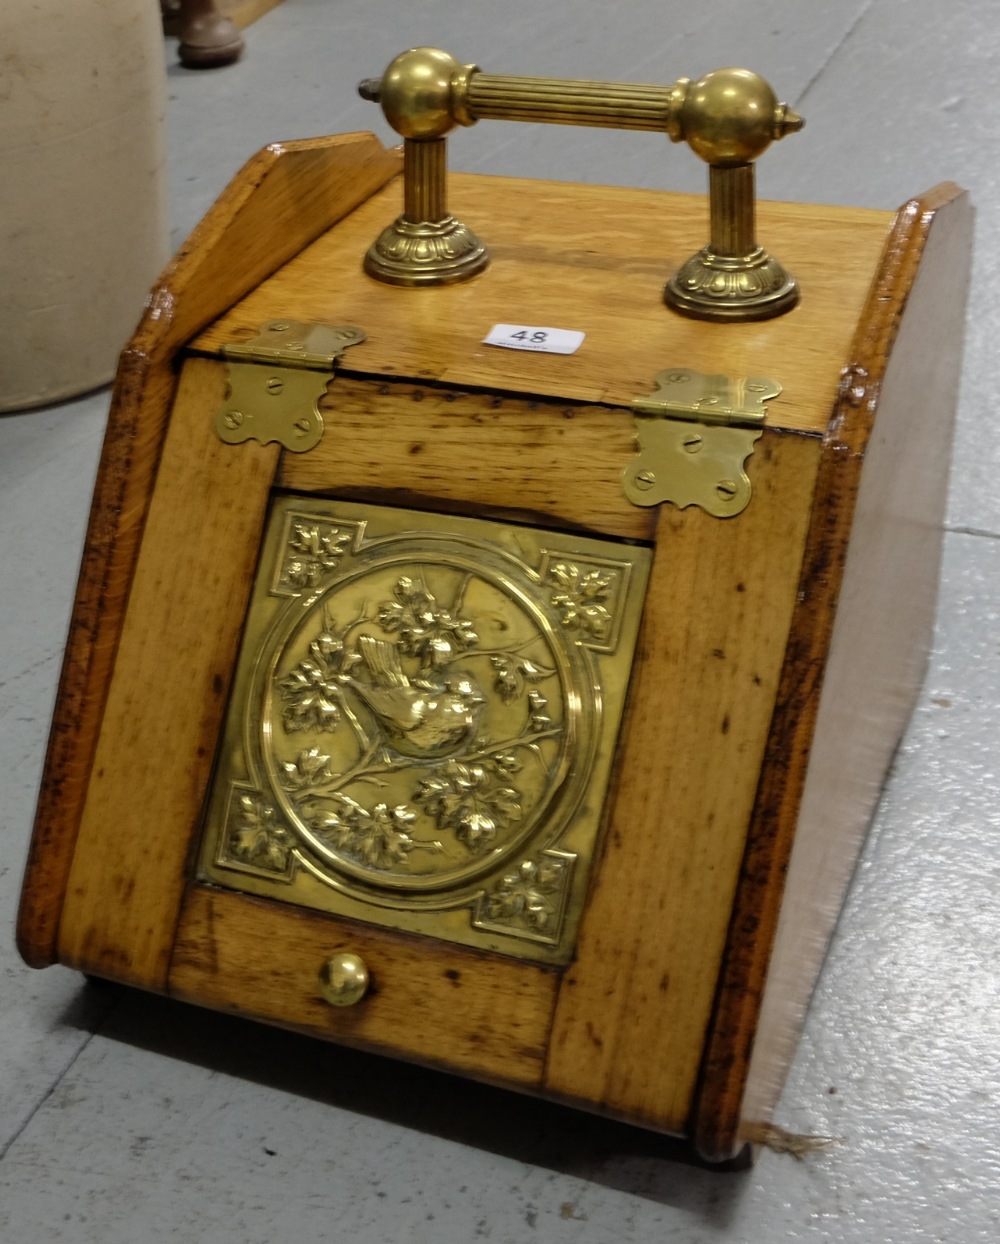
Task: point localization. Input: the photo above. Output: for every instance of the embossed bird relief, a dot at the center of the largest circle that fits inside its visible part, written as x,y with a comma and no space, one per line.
420,717
444,696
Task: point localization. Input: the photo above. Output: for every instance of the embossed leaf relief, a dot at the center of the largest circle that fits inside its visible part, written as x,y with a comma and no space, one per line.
582,596
379,837
514,673
425,631
425,736
256,838
472,800
313,550
530,898
312,691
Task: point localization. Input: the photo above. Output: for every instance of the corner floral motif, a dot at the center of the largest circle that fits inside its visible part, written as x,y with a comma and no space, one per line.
255,840
588,599
529,901
313,550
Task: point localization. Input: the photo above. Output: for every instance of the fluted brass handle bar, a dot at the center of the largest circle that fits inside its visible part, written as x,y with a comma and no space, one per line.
611,105
728,118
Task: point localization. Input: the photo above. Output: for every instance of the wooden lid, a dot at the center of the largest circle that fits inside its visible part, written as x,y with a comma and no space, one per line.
591,258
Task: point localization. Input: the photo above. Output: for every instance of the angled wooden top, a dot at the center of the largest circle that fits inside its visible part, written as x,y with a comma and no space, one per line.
592,258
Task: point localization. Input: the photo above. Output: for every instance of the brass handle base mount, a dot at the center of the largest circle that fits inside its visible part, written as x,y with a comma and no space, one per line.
709,286
425,252
426,245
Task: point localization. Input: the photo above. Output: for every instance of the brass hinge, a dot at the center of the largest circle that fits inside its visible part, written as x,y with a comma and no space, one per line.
279,401
695,434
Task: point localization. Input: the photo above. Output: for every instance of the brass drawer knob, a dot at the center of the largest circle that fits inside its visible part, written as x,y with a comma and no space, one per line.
343,980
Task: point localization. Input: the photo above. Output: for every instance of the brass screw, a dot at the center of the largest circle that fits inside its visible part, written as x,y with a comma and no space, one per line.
692,443
726,489
304,425
232,418
275,385
645,480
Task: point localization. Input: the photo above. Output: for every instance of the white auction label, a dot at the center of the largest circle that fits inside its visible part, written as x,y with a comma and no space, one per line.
529,337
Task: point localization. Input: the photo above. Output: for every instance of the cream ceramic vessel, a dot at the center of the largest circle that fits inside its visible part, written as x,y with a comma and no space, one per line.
83,223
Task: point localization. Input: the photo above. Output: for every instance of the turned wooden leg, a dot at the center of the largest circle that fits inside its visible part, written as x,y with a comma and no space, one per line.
207,37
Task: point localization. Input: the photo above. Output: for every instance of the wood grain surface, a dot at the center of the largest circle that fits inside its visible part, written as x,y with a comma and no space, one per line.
307,185
848,687
474,1013
283,198
172,673
144,389
589,258
555,464
634,1007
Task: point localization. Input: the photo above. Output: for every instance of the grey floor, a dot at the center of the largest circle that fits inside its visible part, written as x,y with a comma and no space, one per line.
126,1119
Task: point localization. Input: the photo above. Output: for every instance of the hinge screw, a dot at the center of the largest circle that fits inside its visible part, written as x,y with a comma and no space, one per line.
645,480
275,385
726,489
692,443
232,418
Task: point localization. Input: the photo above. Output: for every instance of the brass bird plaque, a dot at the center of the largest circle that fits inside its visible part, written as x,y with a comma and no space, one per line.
423,721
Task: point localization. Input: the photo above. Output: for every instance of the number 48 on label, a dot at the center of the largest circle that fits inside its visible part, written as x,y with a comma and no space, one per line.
530,337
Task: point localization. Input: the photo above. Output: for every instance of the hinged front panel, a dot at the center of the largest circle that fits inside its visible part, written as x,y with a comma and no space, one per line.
423,722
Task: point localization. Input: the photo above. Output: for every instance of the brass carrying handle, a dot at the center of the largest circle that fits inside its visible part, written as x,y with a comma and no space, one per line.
729,118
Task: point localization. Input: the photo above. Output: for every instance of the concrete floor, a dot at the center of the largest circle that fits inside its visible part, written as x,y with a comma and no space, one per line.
125,1118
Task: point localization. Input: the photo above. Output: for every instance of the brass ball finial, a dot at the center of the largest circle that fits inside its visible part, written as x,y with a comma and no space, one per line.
417,92
731,116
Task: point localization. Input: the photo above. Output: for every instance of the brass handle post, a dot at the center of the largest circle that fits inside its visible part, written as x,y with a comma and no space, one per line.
425,245
729,118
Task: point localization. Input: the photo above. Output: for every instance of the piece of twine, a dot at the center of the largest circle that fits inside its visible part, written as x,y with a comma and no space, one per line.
775,1138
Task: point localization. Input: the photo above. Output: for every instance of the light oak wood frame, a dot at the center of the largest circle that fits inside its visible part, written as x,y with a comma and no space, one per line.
655,1020
857,657
307,186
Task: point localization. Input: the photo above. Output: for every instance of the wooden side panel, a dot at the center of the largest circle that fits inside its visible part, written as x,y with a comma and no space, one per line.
416,445
633,1009
171,679
480,1015
847,689
308,186
143,392
280,201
